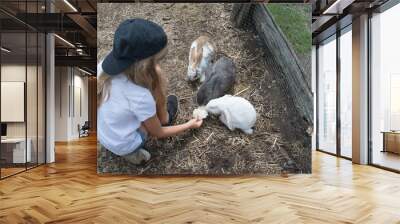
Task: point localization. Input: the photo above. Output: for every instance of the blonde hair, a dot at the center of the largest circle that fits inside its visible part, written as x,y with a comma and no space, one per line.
144,73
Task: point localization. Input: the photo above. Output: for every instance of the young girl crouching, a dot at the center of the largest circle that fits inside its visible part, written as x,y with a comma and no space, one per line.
132,103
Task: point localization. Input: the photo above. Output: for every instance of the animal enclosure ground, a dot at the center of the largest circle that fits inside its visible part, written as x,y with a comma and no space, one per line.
279,143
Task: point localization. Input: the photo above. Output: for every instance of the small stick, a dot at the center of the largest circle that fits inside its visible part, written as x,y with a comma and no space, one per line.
194,141
253,93
197,139
209,136
148,164
202,145
273,145
202,153
211,34
170,6
242,91
185,97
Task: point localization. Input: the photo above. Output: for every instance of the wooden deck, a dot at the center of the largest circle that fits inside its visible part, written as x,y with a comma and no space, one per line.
70,191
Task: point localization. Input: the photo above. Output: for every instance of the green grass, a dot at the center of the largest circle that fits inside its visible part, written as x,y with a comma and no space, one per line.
294,21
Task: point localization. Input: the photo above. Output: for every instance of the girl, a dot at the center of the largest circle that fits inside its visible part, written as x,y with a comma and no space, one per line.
131,92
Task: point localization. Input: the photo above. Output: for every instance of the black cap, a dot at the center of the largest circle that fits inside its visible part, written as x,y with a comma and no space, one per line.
134,40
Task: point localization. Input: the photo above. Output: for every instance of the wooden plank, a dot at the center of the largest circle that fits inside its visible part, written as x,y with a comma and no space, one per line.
241,14
286,65
70,191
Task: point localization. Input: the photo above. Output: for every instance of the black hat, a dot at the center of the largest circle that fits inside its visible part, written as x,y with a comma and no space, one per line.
134,40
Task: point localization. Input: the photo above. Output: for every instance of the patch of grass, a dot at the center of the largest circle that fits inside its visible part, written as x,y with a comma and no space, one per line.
295,22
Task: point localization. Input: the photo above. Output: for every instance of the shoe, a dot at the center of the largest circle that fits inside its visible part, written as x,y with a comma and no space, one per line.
138,157
172,108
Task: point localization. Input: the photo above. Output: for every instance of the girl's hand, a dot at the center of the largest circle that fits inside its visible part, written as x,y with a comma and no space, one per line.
195,123
154,128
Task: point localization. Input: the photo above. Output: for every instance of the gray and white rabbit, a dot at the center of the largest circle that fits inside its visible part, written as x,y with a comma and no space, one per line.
201,55
235,112
220,79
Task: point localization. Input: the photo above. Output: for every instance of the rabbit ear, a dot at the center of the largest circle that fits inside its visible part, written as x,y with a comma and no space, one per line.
196,53
215,89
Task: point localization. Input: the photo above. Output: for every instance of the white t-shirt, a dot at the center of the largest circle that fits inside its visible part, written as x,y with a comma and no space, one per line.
120,116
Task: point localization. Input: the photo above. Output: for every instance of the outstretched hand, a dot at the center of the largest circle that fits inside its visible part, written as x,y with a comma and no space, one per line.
195,122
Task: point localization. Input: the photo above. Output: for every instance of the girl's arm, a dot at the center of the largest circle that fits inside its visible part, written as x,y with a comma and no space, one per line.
153,126
162,113
161,101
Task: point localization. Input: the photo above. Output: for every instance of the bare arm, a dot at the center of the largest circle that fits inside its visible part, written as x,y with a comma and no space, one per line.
161,104
153,126
162,114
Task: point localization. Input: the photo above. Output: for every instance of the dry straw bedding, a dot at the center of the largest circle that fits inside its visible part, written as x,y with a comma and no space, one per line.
212,149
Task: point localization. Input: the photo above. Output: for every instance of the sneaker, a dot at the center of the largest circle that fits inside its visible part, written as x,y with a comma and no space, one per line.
140,156
172,108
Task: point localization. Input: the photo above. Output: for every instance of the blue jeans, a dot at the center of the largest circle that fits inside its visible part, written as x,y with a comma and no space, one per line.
143,136
138,156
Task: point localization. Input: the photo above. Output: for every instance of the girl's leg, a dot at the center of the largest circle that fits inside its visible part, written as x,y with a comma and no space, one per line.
143,129
172,107
166,116
140,155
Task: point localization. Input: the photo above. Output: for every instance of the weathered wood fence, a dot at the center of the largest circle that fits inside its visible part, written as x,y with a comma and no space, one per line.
287,67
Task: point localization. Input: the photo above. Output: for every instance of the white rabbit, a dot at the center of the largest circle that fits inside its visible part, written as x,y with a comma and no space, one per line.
235,112
201,55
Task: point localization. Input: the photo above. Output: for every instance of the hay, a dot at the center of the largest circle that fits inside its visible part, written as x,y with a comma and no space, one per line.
241,91
212,149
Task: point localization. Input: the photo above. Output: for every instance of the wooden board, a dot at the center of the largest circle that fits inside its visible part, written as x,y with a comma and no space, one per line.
287,66
279,55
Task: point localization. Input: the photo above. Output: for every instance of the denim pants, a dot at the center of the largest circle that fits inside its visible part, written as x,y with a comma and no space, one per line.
143,136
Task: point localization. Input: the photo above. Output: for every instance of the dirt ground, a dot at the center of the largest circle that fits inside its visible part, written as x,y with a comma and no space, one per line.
279,142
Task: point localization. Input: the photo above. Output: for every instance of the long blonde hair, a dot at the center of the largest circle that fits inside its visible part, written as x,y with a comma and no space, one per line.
143,73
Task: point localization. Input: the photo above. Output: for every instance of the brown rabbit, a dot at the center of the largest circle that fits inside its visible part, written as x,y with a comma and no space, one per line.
201,55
